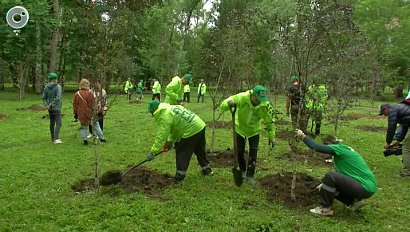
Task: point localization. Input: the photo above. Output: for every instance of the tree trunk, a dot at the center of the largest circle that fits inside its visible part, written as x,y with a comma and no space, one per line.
56,38
38,75
398,91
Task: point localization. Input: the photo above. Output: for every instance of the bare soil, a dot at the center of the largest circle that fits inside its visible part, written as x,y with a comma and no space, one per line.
135,102
139,179
33,108
285,135
283,122
224,159
220,124
3,116
371,128
308,156
278,188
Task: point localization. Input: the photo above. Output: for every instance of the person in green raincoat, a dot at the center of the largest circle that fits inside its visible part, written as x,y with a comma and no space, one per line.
156,90
178,125
315,103
140,96
252,106
175,89
128,88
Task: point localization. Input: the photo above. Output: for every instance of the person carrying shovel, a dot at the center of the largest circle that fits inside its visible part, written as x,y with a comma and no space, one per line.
180,126
251,107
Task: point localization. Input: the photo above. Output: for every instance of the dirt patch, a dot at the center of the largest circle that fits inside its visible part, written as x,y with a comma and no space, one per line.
308,156
33,108
371,128
46,116
278,188
135,102
3,116
224,159
220,124
285,135
139,179
283,122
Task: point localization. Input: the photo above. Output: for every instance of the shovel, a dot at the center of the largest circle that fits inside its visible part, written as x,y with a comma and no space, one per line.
114,177
237,173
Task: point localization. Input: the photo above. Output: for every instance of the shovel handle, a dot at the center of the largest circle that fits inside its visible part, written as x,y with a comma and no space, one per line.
139,164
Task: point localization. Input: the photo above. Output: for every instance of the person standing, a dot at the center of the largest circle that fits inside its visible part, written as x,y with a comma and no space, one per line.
352,182
128,88
85,107
187,93
251,107
156,90
180,126
140,85
201,91
295,104
52,100
398,114
100,96
315,104
175,89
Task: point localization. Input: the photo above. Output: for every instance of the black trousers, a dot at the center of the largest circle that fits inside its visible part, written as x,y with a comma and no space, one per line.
342,187
100,121
250,166
55,123
187,97
200,96
157,96
184,150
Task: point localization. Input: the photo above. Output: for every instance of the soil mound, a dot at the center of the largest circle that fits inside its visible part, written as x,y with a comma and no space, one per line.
3,116
371,128
278,188
308,156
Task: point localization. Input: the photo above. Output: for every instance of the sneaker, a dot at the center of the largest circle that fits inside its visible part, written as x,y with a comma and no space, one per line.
179,177
103,140
356,205
58,141
85,142
322,211
89,136
251,180
207,172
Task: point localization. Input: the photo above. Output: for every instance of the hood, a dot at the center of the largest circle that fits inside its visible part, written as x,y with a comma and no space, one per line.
161,108
51,85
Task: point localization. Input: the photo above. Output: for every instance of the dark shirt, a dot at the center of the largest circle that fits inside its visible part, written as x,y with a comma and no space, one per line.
295,94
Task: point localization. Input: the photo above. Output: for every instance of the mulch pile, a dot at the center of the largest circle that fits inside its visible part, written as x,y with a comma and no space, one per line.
33,108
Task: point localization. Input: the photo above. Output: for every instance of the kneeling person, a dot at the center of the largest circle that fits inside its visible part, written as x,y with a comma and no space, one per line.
352,182
180,126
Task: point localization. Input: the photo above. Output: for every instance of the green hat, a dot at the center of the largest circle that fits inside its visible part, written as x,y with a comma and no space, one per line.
260,93
294,78
153,104
188,77
52,76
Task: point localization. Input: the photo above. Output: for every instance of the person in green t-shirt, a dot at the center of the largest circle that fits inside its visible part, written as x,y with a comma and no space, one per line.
351,183
180,126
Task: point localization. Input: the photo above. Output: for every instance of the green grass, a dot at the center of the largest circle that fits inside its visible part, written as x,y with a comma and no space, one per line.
36,178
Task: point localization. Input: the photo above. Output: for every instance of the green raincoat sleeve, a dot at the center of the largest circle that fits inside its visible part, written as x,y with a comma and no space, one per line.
173,91
163,132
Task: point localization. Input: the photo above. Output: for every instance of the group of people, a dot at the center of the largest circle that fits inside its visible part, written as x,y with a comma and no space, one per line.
129,88
89,107
351,182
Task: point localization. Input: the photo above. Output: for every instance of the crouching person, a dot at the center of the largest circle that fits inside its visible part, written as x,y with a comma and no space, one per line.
352,182
85,107
180,126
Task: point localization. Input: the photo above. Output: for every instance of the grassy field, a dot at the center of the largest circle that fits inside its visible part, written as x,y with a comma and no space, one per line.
36,178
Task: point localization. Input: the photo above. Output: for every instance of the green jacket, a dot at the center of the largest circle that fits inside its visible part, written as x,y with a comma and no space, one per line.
139,87
174,90
316,97
248,117
175,122
156,88
349,162
128,85
202,88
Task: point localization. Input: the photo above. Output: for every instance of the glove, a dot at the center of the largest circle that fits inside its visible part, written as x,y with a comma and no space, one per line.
300,133
150,156
231,103
167,146
319,187
272,143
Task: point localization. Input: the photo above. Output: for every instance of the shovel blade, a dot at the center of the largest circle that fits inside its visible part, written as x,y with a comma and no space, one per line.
237,176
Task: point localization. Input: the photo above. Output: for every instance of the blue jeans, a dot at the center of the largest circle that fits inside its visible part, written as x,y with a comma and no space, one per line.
84,131
55,123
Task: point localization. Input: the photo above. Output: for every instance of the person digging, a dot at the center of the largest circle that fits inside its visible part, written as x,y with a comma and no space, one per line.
250,108
180,126
351,183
